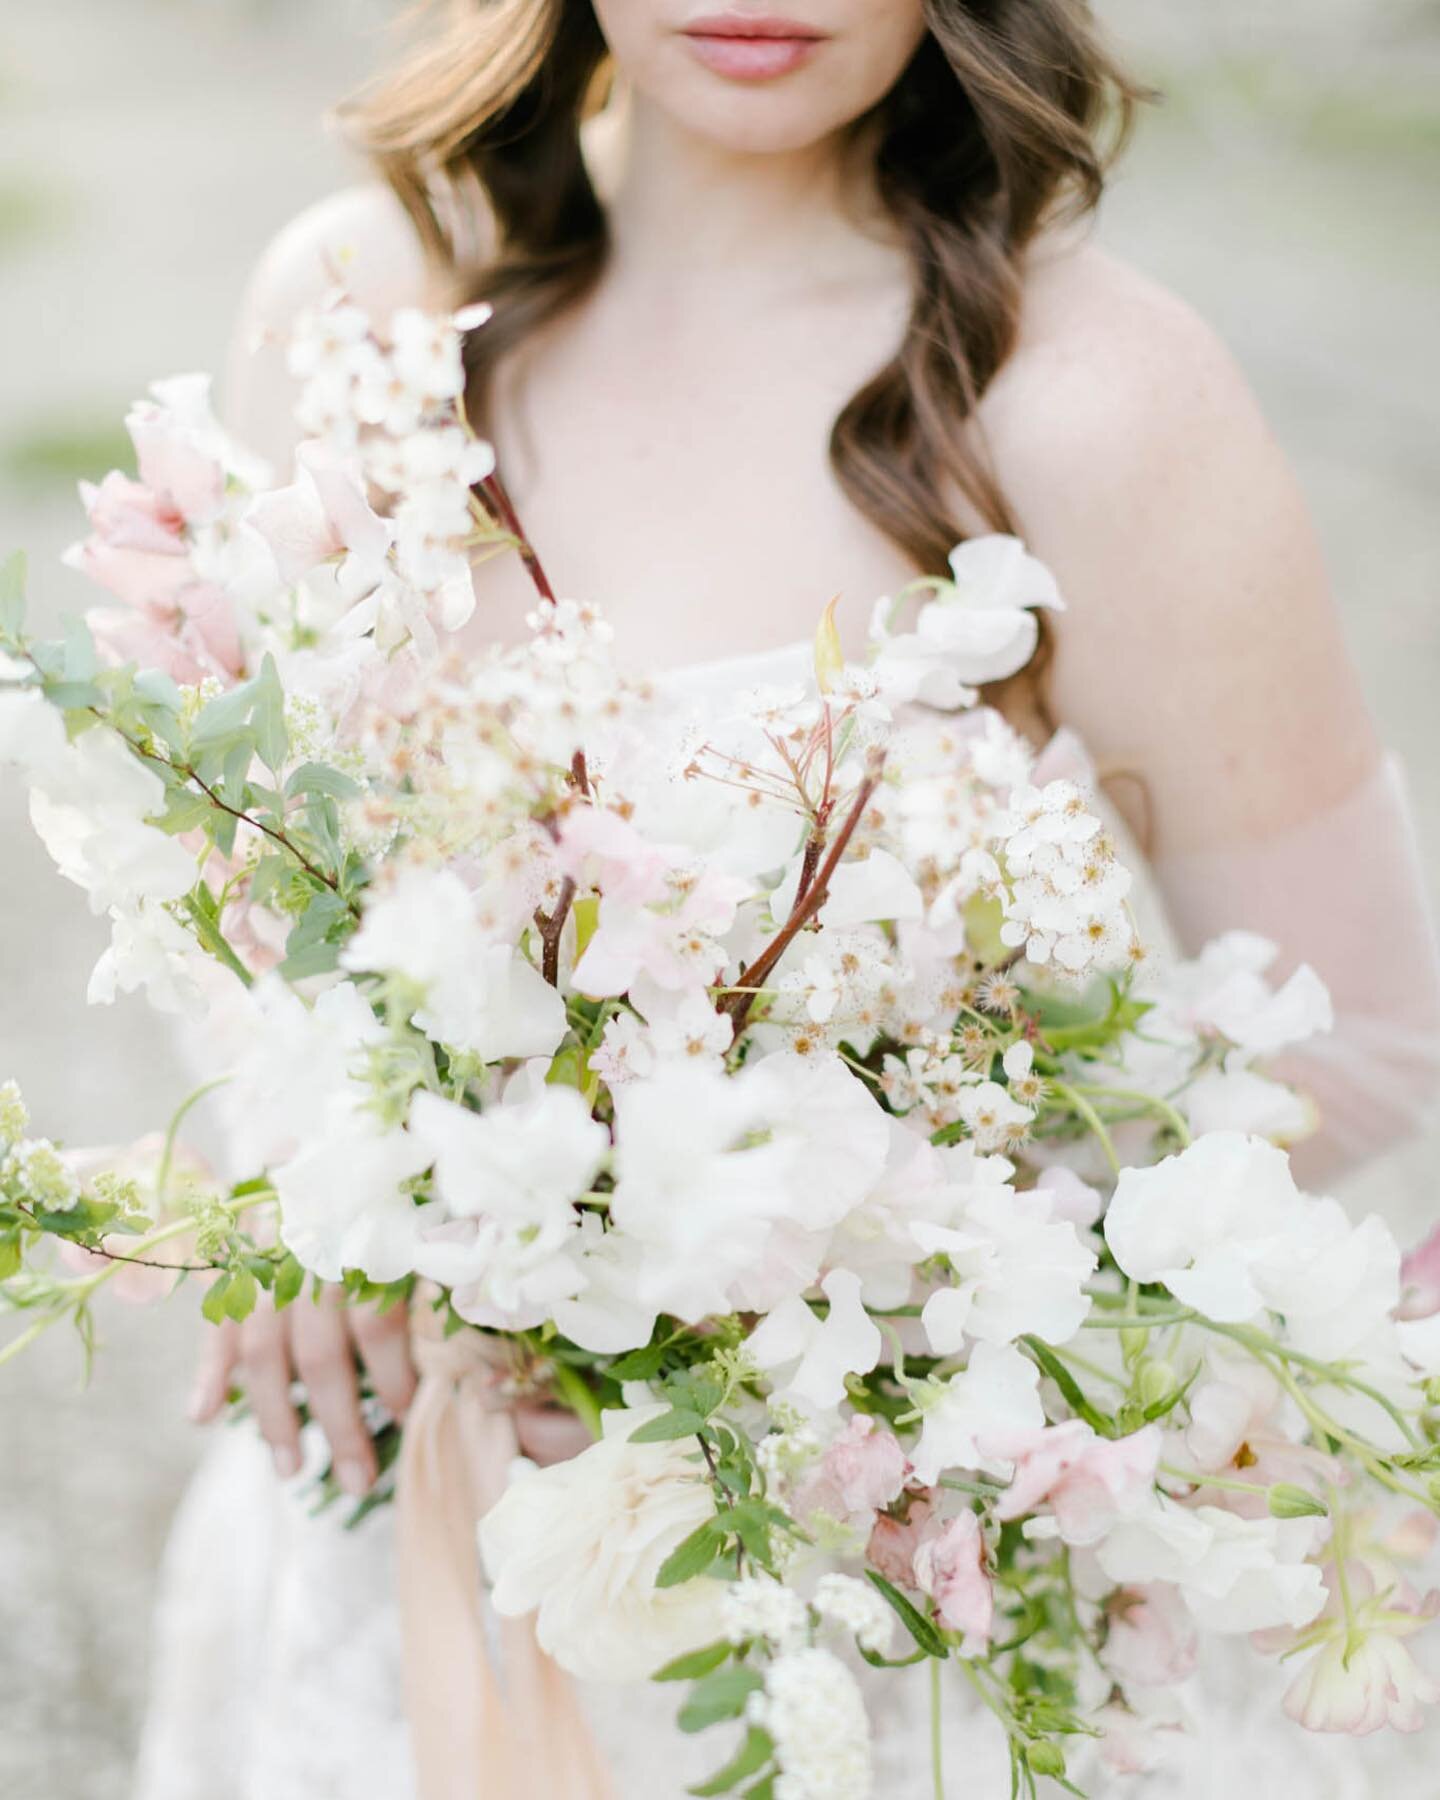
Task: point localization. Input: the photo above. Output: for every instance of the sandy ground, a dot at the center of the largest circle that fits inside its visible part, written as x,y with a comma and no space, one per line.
149,147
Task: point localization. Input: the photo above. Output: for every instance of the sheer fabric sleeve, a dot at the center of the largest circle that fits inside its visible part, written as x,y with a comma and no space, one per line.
1345,893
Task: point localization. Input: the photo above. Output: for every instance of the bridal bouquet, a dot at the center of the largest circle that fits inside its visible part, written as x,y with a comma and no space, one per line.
774,1077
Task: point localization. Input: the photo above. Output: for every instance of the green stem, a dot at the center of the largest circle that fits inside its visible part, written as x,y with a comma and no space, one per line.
1092,1118
77,1293
1150,1102
167,1155
937,1751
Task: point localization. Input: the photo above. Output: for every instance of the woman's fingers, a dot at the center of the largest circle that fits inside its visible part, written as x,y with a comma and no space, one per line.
549,1434
219,1353
325,1360
383,1340
265,1356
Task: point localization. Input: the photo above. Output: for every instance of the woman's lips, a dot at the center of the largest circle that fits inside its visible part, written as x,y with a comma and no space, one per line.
746,49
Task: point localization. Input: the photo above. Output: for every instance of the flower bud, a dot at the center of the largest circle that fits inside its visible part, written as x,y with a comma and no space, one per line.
1290,1502
1432,1391
1043,1757
1155,1380
1133,1341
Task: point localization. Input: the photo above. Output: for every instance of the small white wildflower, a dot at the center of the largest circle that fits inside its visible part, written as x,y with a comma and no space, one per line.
812,1708
856,1607
14,1115
760,1608
43,1175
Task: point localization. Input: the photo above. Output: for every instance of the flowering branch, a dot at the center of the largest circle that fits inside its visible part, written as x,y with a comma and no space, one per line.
739,1002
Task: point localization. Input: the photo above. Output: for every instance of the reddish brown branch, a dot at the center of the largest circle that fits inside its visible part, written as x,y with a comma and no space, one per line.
500,507
742,996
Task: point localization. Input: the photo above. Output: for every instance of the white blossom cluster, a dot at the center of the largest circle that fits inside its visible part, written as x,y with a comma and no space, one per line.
812,1708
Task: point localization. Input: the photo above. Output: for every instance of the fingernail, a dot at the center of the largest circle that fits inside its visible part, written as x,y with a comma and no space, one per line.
354,1479
287,1461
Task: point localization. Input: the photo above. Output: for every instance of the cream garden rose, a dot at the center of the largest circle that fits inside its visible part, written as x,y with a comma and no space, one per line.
580,1544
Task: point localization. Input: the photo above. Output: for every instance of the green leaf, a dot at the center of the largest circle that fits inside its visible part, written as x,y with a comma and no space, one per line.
1068,1386
679,1422
212,1306
11,1255
272,740
914,1621
695,1663
12,595
289,1280
719,1696
639,1365
320,778
208,933
241,1293
762,1790
749,1759
692,1556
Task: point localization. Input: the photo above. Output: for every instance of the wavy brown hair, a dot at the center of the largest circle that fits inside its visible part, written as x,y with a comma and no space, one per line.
1006,120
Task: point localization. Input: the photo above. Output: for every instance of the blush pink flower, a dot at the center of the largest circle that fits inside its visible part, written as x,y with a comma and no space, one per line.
1152,1640
127,515
1089,1482
894,1541
1420,1280
950,1568
1365,1677
862,1471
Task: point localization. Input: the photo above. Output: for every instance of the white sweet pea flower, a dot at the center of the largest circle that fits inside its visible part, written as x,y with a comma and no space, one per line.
149,949
481,996
580,1543
90,809
1224,990
981,1418
604,1314
1225,1228
32,733
733,1183
810,1356
343,1201
1017,1269
1201,1221
980,627
862,889
297,1063
1236,1575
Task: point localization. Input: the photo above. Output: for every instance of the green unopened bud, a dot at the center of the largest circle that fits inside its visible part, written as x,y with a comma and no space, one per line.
1290,1502
1432,1391
1042,1757
1155,1380
1133,1341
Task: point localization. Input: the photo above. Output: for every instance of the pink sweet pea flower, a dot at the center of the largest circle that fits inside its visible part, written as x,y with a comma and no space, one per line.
894,1541
174,438
950,1568
599,849
1420,1280
323,516
863,1470
127,515
1152,1640
1090,1482
1365,1677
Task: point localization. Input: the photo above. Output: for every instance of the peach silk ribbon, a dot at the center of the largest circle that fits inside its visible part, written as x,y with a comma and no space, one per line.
475,1734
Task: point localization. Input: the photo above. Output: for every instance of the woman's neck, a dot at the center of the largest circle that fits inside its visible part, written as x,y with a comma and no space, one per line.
680,204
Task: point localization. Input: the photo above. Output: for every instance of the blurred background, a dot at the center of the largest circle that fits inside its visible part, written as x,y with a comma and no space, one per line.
148,150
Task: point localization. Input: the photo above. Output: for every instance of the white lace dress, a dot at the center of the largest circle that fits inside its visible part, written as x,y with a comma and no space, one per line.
277,1663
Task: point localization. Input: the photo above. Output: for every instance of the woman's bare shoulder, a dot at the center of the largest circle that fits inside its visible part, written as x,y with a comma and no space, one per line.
1111,362
361,237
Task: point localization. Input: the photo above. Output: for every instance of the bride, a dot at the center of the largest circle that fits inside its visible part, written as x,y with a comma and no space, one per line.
785,306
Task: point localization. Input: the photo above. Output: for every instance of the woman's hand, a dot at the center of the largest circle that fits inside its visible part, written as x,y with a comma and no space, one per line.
321,1345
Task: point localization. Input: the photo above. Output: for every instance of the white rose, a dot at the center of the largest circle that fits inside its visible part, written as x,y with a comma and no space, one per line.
580,1544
